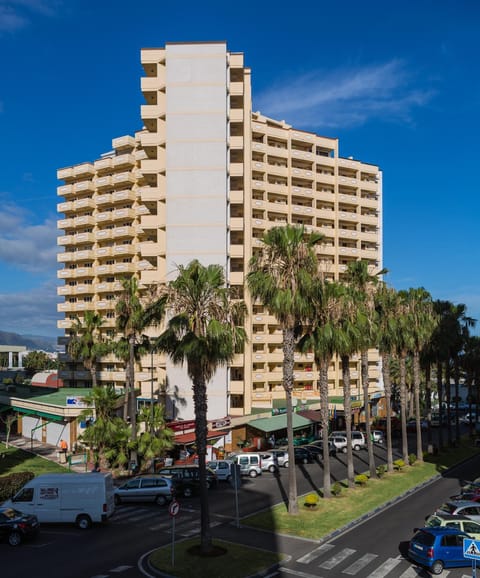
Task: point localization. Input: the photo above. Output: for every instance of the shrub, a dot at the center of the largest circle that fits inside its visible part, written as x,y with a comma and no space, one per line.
398,464
412,458
381,470
336,488
361,479
9,485
7,381
311,500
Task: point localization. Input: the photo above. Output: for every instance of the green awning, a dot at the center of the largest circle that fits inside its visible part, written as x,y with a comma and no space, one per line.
33,412
278,422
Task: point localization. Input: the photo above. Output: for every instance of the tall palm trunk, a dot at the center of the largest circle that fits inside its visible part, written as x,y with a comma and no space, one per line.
200,405
288,362
387,384
428,405
456,377
440,404
416,395
403,404
347,406
448,401
366,405
323,375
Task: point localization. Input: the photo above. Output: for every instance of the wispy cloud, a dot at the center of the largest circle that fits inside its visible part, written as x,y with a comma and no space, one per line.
33,311
346,97
17,14
26,246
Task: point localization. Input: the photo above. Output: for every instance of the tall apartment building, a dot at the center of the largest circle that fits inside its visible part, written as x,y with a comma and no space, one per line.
205,178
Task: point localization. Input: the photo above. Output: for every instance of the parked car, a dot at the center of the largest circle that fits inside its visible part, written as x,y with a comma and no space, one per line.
358,439
461,523
16,526
438,548
340,443
316,448
273,460
250,463
470,496
222,469
460,508
188,479
377,436
148,488
302,456
468,417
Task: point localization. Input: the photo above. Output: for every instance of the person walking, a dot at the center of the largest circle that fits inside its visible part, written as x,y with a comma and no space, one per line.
63,451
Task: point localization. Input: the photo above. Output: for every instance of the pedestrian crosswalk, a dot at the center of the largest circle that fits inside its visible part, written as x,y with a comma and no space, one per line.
330,561
187,523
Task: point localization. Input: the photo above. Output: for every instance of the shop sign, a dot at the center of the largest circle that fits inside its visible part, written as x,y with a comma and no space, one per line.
181,425
220,423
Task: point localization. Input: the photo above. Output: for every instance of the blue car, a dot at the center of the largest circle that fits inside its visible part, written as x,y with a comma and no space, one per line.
438,548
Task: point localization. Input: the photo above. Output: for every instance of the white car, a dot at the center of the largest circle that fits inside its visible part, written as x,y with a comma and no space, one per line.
273,460
340,443
222,469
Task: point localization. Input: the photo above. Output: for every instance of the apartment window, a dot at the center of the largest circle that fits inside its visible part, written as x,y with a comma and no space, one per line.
110,315
236,401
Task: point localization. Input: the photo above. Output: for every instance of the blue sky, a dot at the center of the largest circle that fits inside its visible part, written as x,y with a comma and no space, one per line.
397,82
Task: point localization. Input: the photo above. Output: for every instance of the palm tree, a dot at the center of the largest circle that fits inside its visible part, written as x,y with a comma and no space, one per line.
86,342
422,322
350,329
404,344
281,277
205,330
133,316
358,276
320,338
157,438
385,304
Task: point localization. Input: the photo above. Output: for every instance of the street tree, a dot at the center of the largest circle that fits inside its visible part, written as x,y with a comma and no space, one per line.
281,277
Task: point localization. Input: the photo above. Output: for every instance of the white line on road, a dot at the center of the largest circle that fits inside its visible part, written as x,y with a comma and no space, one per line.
300,574
385,568
335,560
360,564
315,553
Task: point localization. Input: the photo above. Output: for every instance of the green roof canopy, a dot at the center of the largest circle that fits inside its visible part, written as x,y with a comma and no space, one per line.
277,422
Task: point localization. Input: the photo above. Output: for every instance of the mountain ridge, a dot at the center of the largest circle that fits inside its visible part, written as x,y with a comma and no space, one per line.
32,342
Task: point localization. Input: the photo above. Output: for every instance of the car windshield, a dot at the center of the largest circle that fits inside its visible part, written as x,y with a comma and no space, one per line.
433,522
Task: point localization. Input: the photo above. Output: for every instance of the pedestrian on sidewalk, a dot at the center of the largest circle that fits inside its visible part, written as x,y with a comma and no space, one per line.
63,446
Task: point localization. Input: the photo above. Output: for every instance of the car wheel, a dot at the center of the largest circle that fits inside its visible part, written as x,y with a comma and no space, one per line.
117,500
344,450
305,461
272,469
437,567
84,522
285,465
356,448
161,500
253,473
15,538
187,492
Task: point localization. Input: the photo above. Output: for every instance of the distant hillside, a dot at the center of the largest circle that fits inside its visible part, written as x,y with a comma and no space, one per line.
30,341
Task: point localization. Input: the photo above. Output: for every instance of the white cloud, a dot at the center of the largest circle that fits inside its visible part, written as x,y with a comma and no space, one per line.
344,97
17,14
26,246
30,312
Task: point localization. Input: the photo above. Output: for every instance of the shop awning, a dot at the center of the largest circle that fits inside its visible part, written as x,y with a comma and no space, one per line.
311,414
186,439
278,422
35,413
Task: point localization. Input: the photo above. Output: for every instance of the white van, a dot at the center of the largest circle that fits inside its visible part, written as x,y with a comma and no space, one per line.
250,464
79,498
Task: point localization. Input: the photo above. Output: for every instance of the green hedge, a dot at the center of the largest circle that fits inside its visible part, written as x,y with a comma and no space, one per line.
9,485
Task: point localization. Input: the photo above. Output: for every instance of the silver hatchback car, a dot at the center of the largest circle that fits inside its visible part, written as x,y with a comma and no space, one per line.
148,488
274,459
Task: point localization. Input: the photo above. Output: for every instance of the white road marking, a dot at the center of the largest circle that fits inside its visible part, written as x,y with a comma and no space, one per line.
335,560
315,553
385,568
121,568
359,564
300,574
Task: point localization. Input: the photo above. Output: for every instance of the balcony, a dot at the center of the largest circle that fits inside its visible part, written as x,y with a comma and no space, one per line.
151,194
104,199
123,232
108,287
103,270
236,224
150,249
128,249
236,277
236,115
65,207
124,161
236,88
65,174
103,182
236,169
151,83
236,251
124,268
151,111
87,203
105,164
102,252
124,195
123,142
126,177
84,170
236,142
151,139
65,190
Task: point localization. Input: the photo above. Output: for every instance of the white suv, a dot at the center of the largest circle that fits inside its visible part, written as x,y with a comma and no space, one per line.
358,439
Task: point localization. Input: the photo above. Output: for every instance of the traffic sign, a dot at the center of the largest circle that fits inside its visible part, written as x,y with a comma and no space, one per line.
174,508
471,549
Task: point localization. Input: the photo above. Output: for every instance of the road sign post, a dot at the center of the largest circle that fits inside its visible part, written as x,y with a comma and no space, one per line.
173,510
471,549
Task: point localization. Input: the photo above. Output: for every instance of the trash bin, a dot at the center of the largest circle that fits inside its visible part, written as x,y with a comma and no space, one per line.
63,458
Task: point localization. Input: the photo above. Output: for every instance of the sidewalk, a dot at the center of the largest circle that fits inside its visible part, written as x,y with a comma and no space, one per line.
47,451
